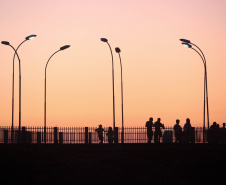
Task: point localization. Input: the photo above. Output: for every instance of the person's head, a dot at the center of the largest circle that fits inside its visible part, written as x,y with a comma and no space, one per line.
214,123
187,120
177,121
100,125
150,119
158,119
110,128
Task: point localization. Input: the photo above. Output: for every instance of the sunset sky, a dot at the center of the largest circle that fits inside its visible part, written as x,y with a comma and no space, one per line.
161,77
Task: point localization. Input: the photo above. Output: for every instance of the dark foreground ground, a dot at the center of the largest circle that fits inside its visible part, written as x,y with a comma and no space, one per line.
113,164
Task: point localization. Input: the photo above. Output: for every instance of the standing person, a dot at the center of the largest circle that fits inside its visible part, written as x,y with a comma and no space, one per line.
177,131
149,125
100,131
110,135
187,131
214,133
158,132
223,133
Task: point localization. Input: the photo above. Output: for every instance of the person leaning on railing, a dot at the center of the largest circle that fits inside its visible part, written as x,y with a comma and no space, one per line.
100,131
158,132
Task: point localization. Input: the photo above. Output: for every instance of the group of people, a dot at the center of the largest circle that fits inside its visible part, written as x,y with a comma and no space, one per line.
158,133
110,134
186,135
215,133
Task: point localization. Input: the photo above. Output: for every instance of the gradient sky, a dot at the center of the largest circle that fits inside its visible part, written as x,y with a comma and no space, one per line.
161,77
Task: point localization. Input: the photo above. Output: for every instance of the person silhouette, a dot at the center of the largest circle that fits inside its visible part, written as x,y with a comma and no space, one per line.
223,134
100,131
158,132
110,135
149,125
187,131
214,133
177,131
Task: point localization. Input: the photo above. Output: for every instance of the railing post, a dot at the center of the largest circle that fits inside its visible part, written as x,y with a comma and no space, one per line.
116,135
55,135
86,135
90,137
60,137
39,137
122,137
24,138
5,136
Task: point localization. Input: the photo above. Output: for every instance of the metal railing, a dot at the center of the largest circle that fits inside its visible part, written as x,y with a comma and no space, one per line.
79,135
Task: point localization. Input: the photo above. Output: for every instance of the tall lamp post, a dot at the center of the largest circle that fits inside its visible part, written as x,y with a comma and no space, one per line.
61,49
188,44
122,134
15,53
113,88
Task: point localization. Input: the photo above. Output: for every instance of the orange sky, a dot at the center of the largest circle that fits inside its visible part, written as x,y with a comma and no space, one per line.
161,77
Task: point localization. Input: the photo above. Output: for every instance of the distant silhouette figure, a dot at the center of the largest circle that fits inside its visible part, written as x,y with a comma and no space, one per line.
100,131
214,133
158,132
149,125
224,126
187,131
110,135
177,131
223,134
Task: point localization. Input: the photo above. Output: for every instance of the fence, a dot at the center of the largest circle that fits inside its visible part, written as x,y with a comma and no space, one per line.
79,135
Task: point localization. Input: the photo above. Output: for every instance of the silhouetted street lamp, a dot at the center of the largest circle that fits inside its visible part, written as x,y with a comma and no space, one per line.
188,44
105,40
62,48
15,53
122,134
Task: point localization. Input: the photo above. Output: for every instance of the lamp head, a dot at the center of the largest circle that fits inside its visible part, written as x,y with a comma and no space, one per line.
64,47
5,42
117,50
104,39
186,45
30,37
185,40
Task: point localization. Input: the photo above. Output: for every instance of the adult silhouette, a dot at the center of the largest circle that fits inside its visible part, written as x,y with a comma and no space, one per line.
110,135
177,131
149,125
100,131
187,131
214,133
158,132
223,134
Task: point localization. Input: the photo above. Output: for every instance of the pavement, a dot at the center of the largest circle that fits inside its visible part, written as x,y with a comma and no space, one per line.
63,164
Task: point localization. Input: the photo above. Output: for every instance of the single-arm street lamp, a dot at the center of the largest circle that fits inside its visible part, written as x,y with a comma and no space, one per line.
27,38
62,48
113,88
122,134
188,44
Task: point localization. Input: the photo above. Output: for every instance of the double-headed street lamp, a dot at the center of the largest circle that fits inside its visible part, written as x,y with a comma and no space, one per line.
61,49
113,88
188,44
15,53
122,134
